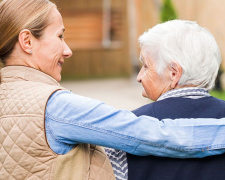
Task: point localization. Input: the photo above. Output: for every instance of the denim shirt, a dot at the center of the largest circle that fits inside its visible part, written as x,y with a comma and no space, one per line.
71,119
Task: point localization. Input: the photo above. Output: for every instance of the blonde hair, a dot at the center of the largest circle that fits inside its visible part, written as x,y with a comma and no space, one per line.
16,15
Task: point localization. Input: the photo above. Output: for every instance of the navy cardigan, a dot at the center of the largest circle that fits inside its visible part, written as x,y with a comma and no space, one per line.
163,168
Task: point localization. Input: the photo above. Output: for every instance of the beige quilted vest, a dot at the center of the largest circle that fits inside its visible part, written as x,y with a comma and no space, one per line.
24,151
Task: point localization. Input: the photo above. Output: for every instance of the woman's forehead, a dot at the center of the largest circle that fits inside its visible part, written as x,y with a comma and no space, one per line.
55,21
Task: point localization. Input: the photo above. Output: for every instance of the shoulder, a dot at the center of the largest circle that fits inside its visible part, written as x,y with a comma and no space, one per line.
215,103
64,102
145,110
152,108
220,101
66,97
177,107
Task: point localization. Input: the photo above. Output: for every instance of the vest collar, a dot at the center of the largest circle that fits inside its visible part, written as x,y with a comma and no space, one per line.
24,73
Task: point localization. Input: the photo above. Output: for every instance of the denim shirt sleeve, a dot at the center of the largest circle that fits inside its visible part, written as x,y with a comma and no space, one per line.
72,119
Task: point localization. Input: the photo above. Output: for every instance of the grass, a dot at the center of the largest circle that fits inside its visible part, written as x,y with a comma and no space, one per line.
218,94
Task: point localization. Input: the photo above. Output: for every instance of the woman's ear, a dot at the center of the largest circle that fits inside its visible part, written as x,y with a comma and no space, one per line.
25,41
175,73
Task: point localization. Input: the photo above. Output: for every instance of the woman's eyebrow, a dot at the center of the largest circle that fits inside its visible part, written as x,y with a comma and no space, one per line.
141,58
62,30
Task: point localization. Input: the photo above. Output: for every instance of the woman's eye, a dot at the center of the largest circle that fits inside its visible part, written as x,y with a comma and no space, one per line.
61,36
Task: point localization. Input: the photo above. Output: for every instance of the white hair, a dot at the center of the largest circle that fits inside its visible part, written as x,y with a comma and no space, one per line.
185,42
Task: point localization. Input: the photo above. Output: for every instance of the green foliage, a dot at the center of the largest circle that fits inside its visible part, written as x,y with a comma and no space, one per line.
218,94
167,11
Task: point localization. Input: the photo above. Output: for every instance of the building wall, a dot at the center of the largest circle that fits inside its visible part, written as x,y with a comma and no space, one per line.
147,13
144,14
85,32
83,22
209,14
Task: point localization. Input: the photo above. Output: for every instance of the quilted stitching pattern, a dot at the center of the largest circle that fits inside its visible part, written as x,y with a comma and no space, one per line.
18,150
24,153
100,165
23,148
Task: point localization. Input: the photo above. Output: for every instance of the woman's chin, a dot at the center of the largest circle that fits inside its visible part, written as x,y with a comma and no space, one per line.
144,94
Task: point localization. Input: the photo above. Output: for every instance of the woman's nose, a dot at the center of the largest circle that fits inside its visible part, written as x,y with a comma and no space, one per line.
67,51
139,76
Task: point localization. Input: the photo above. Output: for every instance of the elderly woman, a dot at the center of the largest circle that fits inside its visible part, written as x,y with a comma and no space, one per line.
46,130
180,64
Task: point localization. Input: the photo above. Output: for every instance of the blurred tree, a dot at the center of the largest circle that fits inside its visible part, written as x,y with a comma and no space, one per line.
167,11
